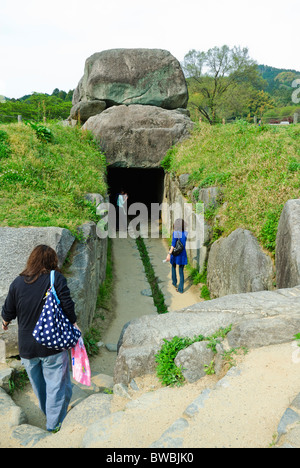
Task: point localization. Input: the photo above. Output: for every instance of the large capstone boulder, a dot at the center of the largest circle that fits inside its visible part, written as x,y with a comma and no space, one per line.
138,136
237,264
288,246
133,76
258,319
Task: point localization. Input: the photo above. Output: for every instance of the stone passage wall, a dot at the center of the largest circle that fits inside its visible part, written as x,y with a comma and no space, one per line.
85,274
129,76
288,246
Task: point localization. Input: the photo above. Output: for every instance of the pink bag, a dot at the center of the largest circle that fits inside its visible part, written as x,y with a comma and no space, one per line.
80,364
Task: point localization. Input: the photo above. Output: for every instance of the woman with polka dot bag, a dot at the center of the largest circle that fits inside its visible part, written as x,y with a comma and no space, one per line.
33,300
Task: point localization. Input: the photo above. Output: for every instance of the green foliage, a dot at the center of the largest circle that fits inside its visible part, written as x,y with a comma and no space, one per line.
211,179
205,294
198,277
166,163
37,106
294,165
5,150
44,184
90,339
297,338
228,355
106,288
42,132
269,229
18,381
167,372
214,75
209,369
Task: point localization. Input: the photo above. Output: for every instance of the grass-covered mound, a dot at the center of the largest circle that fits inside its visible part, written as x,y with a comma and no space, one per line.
257,167
44,175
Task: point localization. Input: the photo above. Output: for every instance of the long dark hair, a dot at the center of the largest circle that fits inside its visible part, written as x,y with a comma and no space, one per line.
42,260
179,225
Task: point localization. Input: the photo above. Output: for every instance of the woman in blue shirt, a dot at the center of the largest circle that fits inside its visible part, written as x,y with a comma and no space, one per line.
181,259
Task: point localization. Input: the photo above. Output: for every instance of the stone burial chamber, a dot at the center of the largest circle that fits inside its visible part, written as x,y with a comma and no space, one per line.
134,102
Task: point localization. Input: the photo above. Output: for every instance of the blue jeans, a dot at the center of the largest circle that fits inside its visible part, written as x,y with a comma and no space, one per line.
181,277
50,380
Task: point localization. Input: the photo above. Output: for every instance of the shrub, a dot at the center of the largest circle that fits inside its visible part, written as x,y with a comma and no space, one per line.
167,371
43,133
269,229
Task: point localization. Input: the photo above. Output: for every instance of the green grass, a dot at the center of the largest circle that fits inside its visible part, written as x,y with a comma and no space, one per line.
43,180
106,288
257,167
157,295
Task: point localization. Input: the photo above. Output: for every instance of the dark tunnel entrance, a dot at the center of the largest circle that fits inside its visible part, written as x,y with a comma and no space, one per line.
142,185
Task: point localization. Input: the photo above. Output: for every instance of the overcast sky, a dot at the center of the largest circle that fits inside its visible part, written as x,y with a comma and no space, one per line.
44,45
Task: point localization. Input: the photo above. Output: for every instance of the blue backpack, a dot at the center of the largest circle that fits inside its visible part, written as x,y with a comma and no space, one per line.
53,329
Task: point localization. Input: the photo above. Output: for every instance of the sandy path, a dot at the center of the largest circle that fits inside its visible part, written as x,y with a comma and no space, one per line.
246,413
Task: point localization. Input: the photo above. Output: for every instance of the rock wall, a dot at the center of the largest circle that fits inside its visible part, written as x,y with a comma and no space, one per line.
288,246
237,264
258,319
138,135
87,272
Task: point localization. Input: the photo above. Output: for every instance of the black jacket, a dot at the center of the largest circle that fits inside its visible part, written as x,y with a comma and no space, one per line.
25,302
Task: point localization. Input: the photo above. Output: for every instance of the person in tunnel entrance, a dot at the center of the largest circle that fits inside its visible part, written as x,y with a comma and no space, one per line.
122,198
176,255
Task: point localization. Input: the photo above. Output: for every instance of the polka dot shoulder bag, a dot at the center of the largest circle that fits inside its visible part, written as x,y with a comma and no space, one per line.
53,329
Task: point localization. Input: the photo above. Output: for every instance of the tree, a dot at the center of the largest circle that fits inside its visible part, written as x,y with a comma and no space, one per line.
259,103
215,72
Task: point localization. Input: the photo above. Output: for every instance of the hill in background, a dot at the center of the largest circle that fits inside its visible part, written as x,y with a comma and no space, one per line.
37,106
